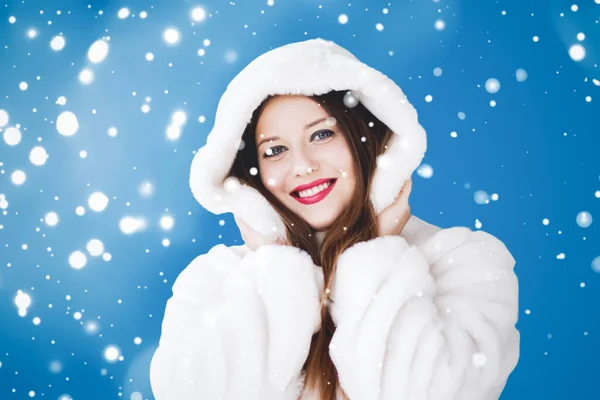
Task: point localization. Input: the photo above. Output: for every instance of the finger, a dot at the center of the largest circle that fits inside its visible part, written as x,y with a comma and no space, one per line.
252,237
405,192
407,187
238,221
242,227
245,228
399,207
402,196
248,234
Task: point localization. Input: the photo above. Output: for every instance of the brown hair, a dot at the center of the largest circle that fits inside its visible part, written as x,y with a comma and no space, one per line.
367,138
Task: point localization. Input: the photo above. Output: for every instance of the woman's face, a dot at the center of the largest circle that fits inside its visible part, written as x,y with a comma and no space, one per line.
300,145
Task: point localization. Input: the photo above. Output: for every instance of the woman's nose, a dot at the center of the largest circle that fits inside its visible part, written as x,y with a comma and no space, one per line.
304,164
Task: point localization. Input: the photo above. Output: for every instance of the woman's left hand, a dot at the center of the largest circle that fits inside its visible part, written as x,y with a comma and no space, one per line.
392,220
253,240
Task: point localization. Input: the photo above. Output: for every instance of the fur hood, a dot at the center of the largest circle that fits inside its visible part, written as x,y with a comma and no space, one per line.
310,67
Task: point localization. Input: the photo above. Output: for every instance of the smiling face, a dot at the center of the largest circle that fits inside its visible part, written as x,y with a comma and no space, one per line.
300,145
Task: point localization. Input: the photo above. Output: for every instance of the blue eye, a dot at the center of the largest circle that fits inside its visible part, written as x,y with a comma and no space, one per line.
273,152
328,132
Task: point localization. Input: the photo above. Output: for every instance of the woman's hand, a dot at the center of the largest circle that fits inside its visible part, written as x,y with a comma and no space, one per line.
392,220
253,239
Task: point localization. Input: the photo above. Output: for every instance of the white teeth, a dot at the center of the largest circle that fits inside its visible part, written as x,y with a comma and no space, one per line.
313,191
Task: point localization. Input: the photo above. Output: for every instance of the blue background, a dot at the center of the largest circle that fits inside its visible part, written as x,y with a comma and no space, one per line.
537,149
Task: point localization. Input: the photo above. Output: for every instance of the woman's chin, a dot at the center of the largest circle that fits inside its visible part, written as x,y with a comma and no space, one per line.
314,218
320,225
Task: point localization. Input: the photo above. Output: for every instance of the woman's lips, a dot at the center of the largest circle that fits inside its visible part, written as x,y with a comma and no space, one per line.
317,197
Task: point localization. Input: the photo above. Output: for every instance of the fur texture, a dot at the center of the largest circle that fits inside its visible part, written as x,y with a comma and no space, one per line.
427,316
238,328
434,321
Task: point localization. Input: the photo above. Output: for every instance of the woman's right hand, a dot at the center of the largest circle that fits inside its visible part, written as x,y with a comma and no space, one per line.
392,220
253,239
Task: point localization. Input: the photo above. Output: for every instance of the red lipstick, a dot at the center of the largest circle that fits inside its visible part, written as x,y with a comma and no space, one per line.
317,197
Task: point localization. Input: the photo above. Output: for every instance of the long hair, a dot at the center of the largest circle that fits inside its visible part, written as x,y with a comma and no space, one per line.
367,138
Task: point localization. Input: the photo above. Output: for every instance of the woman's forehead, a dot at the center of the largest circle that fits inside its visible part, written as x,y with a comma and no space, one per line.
288,114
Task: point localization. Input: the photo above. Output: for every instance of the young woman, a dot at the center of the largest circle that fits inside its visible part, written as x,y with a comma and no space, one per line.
338,292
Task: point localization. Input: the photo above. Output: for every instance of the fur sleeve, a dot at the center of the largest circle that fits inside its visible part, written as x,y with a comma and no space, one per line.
238,328
435,321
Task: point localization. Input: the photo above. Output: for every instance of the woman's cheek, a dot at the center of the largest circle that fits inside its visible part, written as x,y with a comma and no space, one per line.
274,178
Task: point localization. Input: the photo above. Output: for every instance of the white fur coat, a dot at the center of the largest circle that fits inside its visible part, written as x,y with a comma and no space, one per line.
428,315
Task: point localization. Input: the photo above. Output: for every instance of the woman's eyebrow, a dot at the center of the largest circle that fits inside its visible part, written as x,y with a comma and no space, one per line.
311,124
266,140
